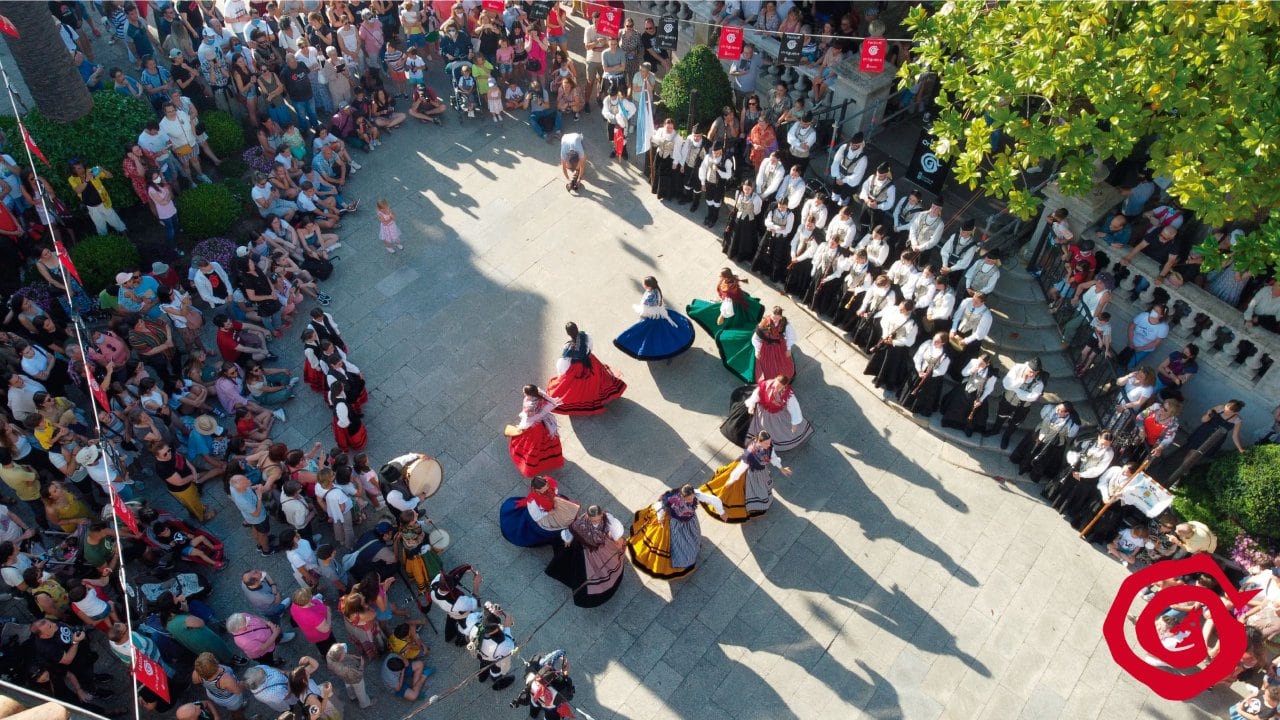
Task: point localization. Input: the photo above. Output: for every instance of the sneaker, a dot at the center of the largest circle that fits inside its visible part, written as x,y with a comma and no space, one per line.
204,179
323,300
355,165
335,246
399,246
294,381
391,250
279,414
266,553
471,113
354,205
495,119
576,118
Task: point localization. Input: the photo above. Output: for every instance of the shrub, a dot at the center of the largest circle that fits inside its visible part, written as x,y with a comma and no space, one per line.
208,210
226,137
99,138
1238,494
216,249
700,69
99,258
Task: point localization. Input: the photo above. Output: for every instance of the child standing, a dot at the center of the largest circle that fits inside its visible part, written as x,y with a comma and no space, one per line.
387,228
368,479
495,100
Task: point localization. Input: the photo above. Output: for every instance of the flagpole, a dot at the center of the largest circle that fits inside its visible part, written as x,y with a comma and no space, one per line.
64,260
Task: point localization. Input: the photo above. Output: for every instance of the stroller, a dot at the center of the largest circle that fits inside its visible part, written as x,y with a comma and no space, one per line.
466,91
180,541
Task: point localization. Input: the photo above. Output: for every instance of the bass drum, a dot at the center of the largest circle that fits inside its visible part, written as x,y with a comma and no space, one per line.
424,476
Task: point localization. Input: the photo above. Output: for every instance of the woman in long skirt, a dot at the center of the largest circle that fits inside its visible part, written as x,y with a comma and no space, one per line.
731,320
830,288
591,559
535,440
1077,483
745,486
660,334
776,412
349,431
772,341
738,423
864,326
890,362
965,407
854,287
1109,485
804,244
537,518
585,385
666,537
312,367
1041,451
921,391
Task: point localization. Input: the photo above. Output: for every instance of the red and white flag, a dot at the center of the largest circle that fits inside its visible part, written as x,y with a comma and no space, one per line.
730,43
150,674
31,144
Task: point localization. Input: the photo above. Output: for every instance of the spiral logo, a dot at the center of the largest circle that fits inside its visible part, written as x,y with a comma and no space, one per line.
1189,649
929,163
731,37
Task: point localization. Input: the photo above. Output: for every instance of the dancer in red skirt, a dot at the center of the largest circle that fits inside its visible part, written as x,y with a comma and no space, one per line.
773,340
585,384
349,431
337,367
535,441
312,367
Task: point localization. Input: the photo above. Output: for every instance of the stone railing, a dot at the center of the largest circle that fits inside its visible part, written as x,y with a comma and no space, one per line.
1247,354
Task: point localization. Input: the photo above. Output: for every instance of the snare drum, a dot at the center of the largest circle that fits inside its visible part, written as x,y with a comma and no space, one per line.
439,539
424,476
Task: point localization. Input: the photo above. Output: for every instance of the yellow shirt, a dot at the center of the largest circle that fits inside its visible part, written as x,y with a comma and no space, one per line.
22,480
74,181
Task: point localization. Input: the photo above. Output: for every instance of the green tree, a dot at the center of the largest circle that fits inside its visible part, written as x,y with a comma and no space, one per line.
699,69
54,82
1089,79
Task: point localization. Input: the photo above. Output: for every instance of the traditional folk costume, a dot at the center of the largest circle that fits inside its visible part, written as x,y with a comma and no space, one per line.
877,248
958,410
1023,386
737,423
922,390
455,602
877,196
661,332
774,409
769,177
714,173
1041,452
1068,493
773,339
662,162
815,210
349,431
958,254
972,322
536,449
876,302
413,541
890,359
855,285
829,266
904,213
848,169
744,486
591,559
313,369
537,518
493,645
665,536
924,234
1109,485
548,689
585,385
337,367
740,312
688,158
771,258
938,315
982,276
739,241
804,245
327,329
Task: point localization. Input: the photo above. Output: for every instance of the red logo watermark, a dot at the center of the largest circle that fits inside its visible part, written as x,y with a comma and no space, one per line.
1189,650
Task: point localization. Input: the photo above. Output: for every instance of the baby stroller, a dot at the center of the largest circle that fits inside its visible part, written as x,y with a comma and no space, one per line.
465,97
179,542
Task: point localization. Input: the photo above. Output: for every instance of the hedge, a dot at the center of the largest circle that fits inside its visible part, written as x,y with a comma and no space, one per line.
100,138
699,69
99,258
208,210
226,136
1238,493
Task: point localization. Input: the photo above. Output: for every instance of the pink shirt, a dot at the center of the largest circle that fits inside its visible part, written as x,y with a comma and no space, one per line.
254,640
309,618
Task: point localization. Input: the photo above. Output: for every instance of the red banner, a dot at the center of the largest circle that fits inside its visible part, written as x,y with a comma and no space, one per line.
31,144
730,43
494,6
610,22
118,506
150,674
64,258
99,395
873,52
7,27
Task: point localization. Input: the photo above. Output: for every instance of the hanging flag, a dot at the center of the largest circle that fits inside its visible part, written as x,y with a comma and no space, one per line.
31,144
64,258
7,27
873,52
610,22
668,33
540,10
494,6
644,122
730,43
789,49
99,395
150,674
1149,496
123,512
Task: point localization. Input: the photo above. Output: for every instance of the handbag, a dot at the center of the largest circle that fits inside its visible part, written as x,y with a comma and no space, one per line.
270,306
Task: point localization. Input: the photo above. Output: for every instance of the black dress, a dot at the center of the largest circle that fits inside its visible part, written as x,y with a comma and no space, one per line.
957,407
890,365
925,400
738,423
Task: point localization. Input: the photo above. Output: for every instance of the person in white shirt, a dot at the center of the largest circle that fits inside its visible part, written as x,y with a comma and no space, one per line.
801,139
662,161
739,241
815,208
1023,386
618,112
905,211
937,316
792,188
1085,464
848,169
889,365
959,252
183,138
842,226
337,505
965,407
923,388
1041,451
969,327
770,175
877,246
877,196
925,230
302,559
688,158
771,259
804,244
714,173
454,601
983,276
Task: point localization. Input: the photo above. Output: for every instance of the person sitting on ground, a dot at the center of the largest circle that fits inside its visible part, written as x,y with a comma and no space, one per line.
426,105
1128,543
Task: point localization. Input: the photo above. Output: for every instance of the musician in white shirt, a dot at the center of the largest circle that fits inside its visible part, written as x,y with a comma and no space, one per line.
877,196
876,245
923,388
817,208
983,276
941,306
792,187
906,210
925,231
1023,386
842,225
969,327
770,175
848,169
959,252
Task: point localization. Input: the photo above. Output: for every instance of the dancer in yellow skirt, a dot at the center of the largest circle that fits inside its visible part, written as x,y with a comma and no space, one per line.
745,486
666,537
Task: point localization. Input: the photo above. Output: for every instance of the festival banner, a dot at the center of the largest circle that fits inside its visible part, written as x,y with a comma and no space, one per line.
31,144
610,22
64,258
540,10
494,6
668,33
123,512
150,674
789,49
873,52
7,27
644,122
1147,495
730,43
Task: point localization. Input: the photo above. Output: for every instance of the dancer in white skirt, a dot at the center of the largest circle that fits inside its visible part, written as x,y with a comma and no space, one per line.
774,409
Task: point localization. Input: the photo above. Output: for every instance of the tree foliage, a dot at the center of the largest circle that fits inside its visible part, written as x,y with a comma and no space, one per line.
1077,81
699,70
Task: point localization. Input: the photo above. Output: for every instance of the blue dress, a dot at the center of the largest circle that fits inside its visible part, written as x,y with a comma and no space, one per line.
519,527
661,332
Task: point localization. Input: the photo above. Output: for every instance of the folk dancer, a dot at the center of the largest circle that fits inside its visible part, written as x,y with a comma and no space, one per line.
774,409
1023,386
965,407
322,322
714,173
773,339
921,393
662,160
877,197
770,258
687,159
312,368
1041,451
338,367
590,560
548,689
535,440
856,283
740,234
982,277
970,325
1084,464
848,169
661,333
925,231
959,252
875,302
489,635
455,602
804,244
745,486
538,517
889,359
666,537
349,431
584,385
732,307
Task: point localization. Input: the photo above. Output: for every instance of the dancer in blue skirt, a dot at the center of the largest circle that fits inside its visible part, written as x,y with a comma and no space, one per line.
660,334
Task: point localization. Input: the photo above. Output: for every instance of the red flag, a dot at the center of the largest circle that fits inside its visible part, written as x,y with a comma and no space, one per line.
7,27
99,395
64,258
610,22
873,52
730,43
150,674
494,6
31,144
619,141
123,512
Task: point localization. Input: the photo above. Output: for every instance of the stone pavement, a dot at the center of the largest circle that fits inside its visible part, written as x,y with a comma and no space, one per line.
892,578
